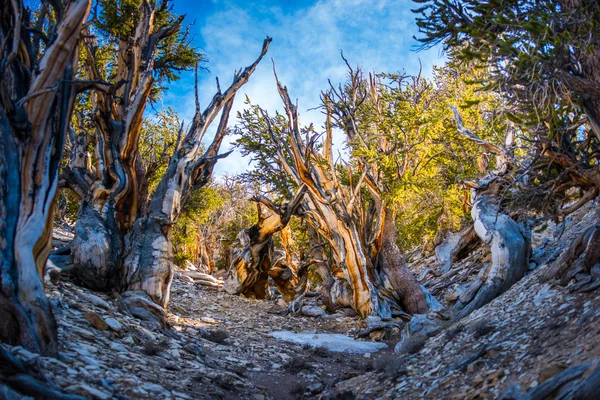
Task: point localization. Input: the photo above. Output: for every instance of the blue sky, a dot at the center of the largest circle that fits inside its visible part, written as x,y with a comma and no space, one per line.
307,38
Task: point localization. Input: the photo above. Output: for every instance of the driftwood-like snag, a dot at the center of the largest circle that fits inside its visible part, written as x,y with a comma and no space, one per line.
253,263
505,237
37,93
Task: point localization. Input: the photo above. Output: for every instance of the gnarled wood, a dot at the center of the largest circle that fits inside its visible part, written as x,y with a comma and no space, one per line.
510,254
113,197
505,237
36,101
456,246
355,238
249,269
148,266
138,257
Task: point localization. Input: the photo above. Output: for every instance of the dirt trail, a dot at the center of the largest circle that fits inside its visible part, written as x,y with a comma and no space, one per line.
281,370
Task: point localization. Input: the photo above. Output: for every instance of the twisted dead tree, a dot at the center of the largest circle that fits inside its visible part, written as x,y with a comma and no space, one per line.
37,92
343,106
506,238
148,267
253,263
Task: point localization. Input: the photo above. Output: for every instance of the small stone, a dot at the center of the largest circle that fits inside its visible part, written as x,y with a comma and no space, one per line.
492,354
113,324
315,388
83,332
95,300
90,392
180,395
95,320
377,335
312,311
495,375
25,355
152,387
471,367
128,340
174,353
119,347
193,348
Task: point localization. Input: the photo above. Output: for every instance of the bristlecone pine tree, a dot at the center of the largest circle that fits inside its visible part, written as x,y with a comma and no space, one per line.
122,239
545,55
37,91
368,269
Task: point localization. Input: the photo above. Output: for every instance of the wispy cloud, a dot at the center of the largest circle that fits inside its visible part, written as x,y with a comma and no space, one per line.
307,39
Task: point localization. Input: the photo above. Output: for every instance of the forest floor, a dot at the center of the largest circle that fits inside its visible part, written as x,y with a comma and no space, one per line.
219,346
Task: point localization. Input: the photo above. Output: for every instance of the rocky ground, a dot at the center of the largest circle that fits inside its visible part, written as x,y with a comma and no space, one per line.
219,346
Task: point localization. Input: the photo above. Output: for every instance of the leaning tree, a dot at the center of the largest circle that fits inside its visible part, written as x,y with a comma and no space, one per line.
545,56
506,236
37,93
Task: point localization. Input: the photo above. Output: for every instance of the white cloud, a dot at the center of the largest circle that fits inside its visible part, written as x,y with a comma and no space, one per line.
306,45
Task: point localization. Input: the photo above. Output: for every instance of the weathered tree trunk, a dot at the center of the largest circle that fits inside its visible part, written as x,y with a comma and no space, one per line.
35,110
249,269
510,254
148,265
507,240
394,271
336,215
111,202
97,247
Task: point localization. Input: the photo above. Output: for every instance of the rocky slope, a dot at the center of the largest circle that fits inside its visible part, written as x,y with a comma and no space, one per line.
508,348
